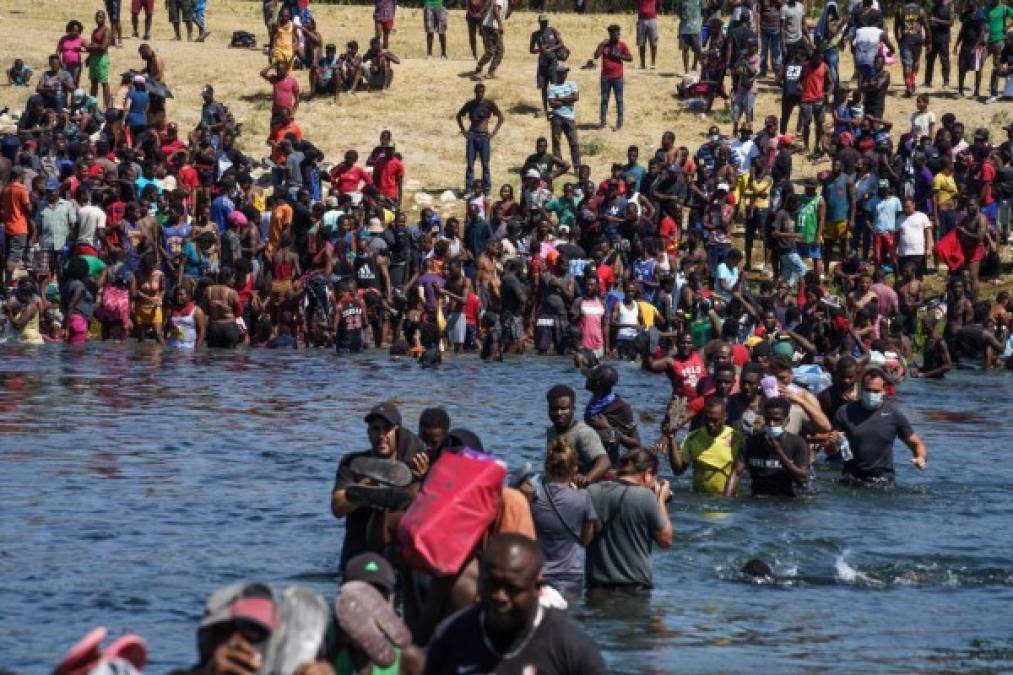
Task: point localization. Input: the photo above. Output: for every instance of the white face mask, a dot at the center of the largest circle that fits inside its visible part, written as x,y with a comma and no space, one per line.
773,432
872,399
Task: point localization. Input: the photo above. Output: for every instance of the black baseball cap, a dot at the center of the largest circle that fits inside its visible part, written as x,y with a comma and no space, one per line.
372,569
464,438
386,411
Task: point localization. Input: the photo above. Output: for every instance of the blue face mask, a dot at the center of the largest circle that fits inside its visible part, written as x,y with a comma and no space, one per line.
773,432
872,400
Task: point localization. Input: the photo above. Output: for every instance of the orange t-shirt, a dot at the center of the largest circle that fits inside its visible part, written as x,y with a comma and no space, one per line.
278,135
281,220
15,206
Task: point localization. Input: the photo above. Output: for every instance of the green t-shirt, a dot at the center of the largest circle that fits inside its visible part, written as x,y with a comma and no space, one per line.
564,209
808,219
432,4
997,22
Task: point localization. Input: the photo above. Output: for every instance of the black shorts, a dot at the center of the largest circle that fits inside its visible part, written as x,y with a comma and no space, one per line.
223,334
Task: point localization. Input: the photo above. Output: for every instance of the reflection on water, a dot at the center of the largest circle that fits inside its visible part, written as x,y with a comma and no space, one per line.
133,481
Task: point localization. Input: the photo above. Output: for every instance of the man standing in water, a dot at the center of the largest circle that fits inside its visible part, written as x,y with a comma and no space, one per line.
592,459
635,516
507,631
387,440
865,431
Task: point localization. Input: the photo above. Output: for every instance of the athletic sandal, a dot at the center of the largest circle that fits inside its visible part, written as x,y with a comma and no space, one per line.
384,471
379,497
370,622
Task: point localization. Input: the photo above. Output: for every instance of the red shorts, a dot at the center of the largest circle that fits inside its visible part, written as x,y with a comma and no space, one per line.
386,26
147,5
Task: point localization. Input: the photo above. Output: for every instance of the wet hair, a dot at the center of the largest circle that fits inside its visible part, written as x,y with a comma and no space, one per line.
874,374
779,364
560,460
78,268
560,391
844,363
434,418
777,403
638,461
713,402
724,368
501,543
757,569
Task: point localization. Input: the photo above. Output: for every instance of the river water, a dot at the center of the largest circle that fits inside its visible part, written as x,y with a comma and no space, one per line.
134,482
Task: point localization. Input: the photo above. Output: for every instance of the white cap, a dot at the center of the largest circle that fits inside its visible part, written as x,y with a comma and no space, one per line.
532,173
724,186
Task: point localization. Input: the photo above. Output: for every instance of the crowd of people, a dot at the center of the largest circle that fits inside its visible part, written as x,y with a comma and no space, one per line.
779,347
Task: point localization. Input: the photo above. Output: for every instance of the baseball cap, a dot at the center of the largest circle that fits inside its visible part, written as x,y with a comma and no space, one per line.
562,68
372,569
786,139
532,173
139,79
564,228
543,18
218,608
884,183
375,226
78,94
464,438
259,610
846,138
723,186
237,218
386,411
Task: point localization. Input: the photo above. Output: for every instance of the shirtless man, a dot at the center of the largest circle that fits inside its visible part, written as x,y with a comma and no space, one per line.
456,290
222,307
910,293
936,361
959,310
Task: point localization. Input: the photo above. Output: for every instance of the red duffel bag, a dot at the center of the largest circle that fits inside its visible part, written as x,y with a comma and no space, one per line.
456,505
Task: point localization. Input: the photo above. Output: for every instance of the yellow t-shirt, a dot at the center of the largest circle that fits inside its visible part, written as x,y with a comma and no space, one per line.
945,187
712,458
648,314
752,189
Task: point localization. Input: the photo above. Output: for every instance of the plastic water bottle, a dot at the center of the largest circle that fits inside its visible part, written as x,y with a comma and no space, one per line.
844,449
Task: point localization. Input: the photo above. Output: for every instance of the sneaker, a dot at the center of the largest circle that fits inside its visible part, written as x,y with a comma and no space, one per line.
991,99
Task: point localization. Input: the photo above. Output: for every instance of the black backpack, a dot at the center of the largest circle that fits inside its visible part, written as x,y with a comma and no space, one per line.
242,39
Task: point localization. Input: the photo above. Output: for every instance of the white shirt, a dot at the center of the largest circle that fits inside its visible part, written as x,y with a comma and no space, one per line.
912,234
921,122
90,220
867,44
490,17
743,153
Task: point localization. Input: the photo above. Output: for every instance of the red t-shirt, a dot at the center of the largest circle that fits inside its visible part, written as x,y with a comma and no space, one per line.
813,81
647,9
611,64
606,277
187,177
349,181
986,176
388,171
668,230
285,92
685,374
471,309
115,211
278,135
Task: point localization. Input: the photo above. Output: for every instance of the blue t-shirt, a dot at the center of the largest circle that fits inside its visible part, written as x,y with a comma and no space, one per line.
564,90
884,213
633,174
139,102
725,273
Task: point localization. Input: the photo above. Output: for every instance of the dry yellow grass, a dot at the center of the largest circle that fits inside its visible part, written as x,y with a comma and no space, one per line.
426,94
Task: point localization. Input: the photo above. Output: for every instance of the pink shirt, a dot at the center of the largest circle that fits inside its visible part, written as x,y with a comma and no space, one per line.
285,92
68,49
591,313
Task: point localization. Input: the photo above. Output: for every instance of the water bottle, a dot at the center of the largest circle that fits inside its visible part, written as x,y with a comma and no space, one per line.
844,449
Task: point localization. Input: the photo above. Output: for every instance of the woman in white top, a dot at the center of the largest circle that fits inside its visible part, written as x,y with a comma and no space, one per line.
187,322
